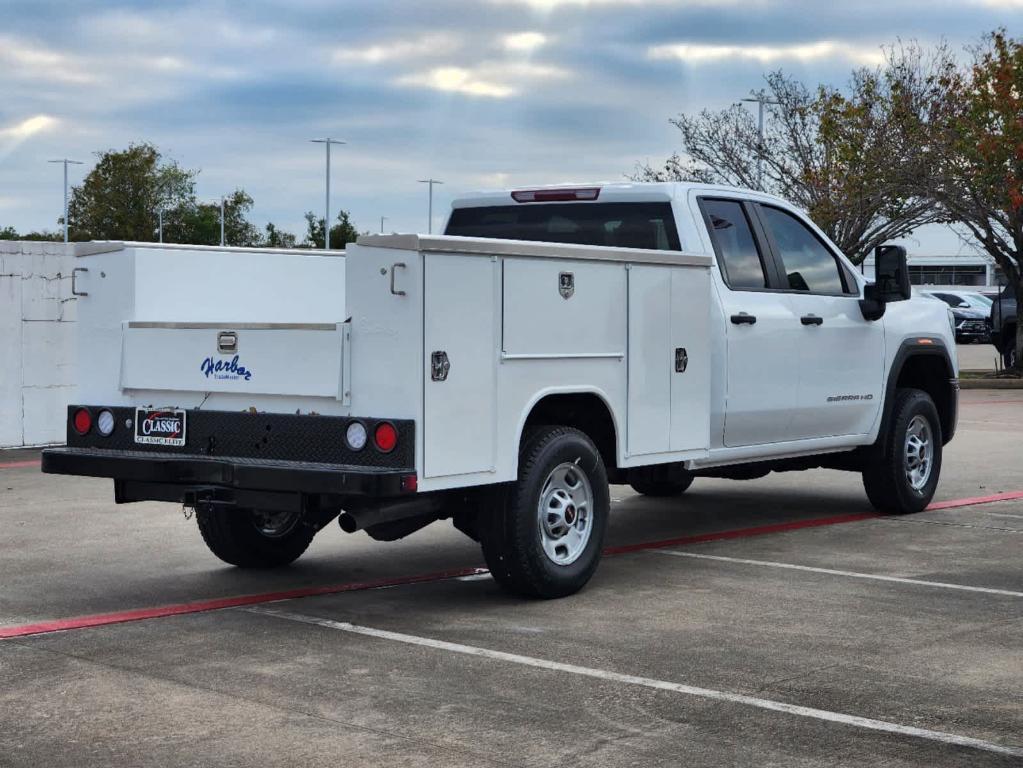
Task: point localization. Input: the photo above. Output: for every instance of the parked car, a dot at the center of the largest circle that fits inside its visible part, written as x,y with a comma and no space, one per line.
1003,325
553,341
971,312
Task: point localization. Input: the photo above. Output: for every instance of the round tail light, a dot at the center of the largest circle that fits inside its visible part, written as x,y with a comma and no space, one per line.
385,436
105,423
82,421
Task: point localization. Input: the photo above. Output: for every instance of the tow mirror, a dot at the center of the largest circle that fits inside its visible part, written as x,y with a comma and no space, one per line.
891,281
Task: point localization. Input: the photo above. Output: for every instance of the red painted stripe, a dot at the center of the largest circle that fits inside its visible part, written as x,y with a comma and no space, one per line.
139,614
15,464
741,533
953,503
215,604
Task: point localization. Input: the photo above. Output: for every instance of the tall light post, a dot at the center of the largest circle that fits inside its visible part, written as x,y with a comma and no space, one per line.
761,100
65,161
159,215
382,220
223,240
429,223
326,218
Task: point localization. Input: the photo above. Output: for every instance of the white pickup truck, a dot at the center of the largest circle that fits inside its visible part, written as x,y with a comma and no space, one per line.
552,341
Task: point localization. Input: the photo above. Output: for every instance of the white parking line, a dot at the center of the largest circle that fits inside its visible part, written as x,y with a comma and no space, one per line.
833,572
647,682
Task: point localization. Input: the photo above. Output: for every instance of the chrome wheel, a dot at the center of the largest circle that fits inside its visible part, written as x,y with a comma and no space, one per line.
564,514
273,524
919,452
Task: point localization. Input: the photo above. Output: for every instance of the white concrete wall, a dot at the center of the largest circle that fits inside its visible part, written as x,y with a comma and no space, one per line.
37,316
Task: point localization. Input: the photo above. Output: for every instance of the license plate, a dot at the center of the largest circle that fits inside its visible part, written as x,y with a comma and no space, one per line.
155,426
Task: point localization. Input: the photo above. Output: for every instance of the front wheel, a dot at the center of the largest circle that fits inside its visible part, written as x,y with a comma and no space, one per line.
251,538
902,475
545,535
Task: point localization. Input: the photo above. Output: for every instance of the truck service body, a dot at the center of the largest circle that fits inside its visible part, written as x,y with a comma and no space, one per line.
553,340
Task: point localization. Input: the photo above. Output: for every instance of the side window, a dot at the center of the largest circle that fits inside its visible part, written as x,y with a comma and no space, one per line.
735,244
807,263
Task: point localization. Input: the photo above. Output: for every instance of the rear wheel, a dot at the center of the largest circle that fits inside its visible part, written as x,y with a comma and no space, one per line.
544,538
251,538
902,475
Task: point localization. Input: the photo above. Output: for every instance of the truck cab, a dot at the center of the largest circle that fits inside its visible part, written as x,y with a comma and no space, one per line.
552,341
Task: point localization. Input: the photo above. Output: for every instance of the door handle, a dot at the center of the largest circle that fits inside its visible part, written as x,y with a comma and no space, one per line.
811,320
399,265
744,318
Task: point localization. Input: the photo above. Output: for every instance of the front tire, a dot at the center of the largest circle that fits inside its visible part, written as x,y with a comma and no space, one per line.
902,474
253,538
545,536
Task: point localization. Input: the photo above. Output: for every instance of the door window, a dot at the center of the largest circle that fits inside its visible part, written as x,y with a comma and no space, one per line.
736,247
807,263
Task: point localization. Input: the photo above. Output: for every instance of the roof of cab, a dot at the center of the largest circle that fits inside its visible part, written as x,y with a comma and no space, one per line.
610,192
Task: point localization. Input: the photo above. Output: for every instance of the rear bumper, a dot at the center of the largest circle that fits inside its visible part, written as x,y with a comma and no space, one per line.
186,472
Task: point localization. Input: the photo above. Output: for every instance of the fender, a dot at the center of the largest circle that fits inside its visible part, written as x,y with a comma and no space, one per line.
916,347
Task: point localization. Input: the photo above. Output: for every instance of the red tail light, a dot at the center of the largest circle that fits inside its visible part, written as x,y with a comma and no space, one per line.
554,195
385,436
82,421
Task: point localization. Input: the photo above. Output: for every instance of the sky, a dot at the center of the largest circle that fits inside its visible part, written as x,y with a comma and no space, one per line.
478,94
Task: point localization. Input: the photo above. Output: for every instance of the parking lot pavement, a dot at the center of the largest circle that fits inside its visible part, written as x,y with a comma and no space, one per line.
880,641
976,357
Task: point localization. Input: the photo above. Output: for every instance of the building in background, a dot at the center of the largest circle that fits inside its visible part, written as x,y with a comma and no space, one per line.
966,271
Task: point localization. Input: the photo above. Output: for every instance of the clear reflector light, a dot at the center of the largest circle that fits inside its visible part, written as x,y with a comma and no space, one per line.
356,436
105,423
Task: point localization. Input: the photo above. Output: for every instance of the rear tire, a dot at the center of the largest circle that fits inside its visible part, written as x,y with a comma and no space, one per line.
251,538
545,536
662,488
902,474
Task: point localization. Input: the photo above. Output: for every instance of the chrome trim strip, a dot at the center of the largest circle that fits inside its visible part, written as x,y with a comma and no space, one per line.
238,326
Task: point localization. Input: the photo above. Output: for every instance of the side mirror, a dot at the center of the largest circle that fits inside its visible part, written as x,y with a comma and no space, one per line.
891,281
891,273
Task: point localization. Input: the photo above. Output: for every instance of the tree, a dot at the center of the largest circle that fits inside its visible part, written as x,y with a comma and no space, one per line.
976,157
834,155
341,234
9,233
120,196
198,223
276,238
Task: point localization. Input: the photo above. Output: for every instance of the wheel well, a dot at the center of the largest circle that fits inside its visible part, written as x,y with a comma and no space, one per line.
931,374
586,412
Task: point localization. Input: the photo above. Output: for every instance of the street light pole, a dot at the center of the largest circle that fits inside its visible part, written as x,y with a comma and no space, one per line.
382,220
65,161
223,241
159,214
429,223
326,218
761,100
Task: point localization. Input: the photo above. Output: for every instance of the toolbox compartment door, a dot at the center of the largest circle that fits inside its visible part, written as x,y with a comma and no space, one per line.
461,295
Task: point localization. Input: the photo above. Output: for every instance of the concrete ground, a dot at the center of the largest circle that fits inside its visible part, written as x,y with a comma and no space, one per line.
873,641
977,357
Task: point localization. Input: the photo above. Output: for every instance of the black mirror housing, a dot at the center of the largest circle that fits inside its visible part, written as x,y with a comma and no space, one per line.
891,274
891,282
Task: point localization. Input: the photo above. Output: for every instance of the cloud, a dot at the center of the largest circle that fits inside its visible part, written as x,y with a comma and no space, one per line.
701,53
28,127
524,41
427,46
497,79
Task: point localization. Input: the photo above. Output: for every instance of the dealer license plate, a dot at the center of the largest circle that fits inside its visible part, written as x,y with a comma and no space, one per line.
154,426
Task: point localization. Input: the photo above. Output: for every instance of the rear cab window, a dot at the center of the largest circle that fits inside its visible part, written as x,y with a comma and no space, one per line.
617,225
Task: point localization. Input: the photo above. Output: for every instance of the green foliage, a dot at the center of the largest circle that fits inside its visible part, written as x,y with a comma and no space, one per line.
9,233
119,198
341,234
198,223
276,238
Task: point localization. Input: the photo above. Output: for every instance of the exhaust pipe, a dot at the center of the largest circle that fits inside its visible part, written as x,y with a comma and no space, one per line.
357,519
